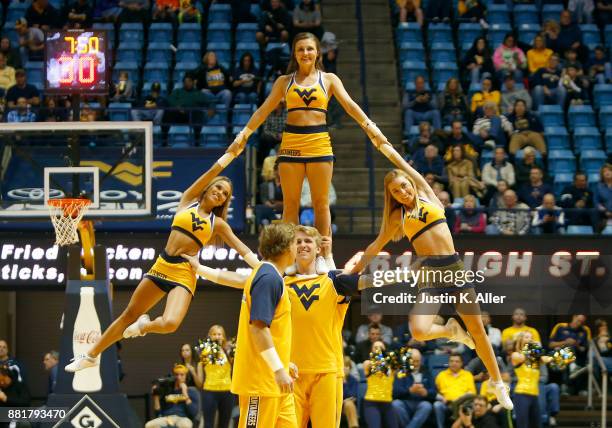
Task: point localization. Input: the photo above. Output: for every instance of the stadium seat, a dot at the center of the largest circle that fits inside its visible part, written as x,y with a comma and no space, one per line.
551,12
156,71
129,51
525,14
252,48
160,32
119,112
181,68
497,32
592,160
528,31
220,116
442,52
468,31
146,88
256,11
498,14
130,66
411,51
586,138
220,12
581,115
16,10
608,35
437,362
159,52
409,32
579,230
189,32
241,114
245,32
602,95
410,87
608,139
10,31
561,161
557,137
214,136
607,230
561,180
590,34
439,33
442,71
131,32
551,115
412,69
605,117
223,52
34,71
180,136
219,32
189,52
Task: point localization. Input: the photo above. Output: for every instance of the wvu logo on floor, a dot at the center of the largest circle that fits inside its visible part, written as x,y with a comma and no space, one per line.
306,95
305,294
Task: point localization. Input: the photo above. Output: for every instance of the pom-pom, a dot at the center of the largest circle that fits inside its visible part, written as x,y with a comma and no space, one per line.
210,352
561,358
532,351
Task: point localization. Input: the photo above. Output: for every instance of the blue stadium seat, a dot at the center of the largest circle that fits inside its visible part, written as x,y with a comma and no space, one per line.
551,115
245,32
219,32
181,68
608,34
602,95
189,32
439,33
161,32
256,11
189,52
220,116
34,72
146,88
497,32
592,160
442,52
579,230
561,180
119,112
159,52
605,117
129,51
590,34
241,114
464,48
252,48
180,136
607,230
214,136
442,71
412,69
498,14
586,138
551,12
131,32
223,52
410,87
581,115
156,71
9,31
130,66
110,31
525,14
608,139
468,31
219,12
16,10
411,51
527,32
437,361
561,161
409,32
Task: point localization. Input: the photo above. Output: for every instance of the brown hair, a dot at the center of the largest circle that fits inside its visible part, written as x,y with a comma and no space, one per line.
275,239
603,168
221,210
391,204
310,231
293,64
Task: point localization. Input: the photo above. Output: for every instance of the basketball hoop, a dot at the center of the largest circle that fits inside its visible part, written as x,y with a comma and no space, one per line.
66,214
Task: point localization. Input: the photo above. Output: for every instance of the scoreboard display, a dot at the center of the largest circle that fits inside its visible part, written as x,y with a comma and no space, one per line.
75,62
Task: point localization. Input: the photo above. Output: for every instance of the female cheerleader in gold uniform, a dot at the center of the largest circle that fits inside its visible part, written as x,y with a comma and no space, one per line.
200,219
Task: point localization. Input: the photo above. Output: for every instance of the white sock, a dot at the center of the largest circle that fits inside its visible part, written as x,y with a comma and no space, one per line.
329,259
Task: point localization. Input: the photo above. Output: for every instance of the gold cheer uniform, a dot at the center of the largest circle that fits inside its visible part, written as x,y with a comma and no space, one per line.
341,309
174,271
306,143
380,387
433,269
218,376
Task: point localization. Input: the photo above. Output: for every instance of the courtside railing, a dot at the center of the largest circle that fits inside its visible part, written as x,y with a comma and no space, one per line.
601,390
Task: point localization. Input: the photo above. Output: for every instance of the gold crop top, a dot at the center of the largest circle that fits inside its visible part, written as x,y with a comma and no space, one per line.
312,97
426,216
198,228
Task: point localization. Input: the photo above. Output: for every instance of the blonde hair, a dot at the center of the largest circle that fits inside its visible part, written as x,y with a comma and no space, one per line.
275,239
220,328
519,340
268,168
293,64
310,231
391,204
179,368
221,210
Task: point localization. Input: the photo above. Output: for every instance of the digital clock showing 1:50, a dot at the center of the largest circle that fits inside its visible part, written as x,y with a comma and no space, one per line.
75,62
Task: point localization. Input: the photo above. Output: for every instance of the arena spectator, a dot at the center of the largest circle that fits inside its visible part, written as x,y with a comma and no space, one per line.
603,342
189,13
509,58
378,410
13,58
165,11
79,14
532,192
329,51
603,194
178,405
479,417
538,56
511,94
52,112
246,82
461,176
413,394
306,210
548,217
31,41
107,10
151,106
523,166
274,24
363,331
212,79
603,12
581,10
410,10
570,37
579,199
485,95
438,10
473,10
88,113
350,391
449,211
241,11
21,113
452,102
416,148
122,90
599,68
272,133
13,393
498,169
186,105
575,86
431,162
551,29
7,73
364,347
456,136
519,318
469,218
270,195
528,130
42,15
545,84
454,386
12,363
575,334
493,333
549,398
50,361
479,60
497,199
307,18
513,219
492,128
190,362
134,10
421,106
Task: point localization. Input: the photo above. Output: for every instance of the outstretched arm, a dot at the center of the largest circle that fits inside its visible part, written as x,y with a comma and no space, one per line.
227,234
227,278
194,191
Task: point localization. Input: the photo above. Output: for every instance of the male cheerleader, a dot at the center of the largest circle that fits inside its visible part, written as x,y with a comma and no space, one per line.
261,366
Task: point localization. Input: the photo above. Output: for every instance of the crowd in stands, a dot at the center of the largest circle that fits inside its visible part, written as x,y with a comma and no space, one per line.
508,112
447,386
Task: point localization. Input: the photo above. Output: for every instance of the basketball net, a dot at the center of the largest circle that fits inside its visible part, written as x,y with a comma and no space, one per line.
66,214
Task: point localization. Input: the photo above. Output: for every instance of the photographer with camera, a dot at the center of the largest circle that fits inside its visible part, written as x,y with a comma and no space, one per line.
174,403
476,414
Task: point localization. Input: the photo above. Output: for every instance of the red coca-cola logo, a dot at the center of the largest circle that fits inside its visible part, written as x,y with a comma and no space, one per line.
86,336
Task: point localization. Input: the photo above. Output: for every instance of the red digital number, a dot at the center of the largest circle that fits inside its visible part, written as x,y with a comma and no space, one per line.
88,62
66,64
87,69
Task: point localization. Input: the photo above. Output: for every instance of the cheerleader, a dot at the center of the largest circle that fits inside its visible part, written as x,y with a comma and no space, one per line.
378,410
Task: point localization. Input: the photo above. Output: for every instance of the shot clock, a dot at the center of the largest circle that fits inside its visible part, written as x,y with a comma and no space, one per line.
75,62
